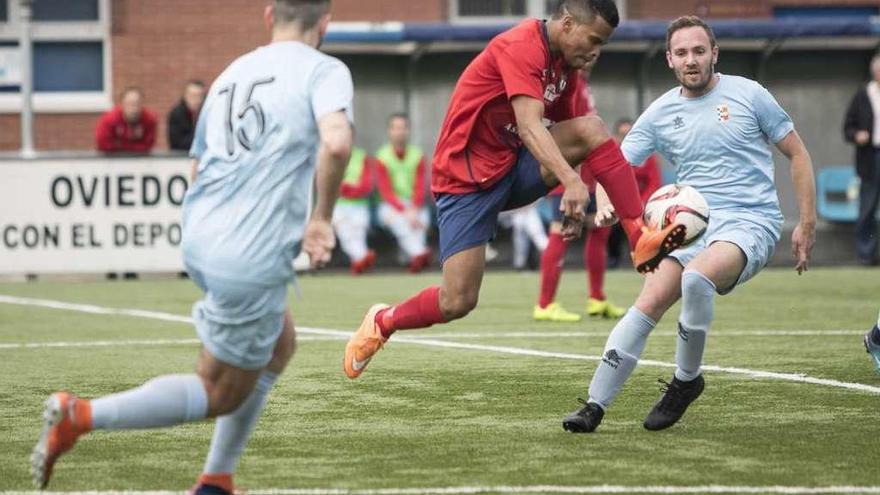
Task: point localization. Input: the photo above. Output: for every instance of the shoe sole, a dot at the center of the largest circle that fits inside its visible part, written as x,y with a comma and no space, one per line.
346,358
52,415
574,427
674,240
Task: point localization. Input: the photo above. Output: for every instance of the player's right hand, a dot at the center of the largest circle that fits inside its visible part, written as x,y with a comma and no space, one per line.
318,242
575,200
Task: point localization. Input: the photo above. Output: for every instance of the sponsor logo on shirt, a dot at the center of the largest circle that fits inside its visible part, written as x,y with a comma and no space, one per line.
723,112
554,85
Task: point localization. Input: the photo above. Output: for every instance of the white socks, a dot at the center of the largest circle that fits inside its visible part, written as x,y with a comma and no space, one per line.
163,401
697,305
232,431
622,351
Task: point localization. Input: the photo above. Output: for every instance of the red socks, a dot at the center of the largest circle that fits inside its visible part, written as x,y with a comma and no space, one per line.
595,260
616,175
551,268
419,311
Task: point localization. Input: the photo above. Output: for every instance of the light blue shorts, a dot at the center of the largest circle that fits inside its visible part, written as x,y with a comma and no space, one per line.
755,240
238,322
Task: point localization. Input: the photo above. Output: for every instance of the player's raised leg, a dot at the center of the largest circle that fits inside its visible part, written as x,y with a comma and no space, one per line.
718,267
625,345
587,138
164,401
232,431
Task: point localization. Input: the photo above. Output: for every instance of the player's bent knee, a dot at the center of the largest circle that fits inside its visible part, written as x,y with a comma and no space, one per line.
224,399
592,131
459,305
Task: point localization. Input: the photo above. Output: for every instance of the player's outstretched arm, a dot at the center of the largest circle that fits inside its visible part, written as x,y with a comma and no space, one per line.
606,216
529,113
804,235
333,153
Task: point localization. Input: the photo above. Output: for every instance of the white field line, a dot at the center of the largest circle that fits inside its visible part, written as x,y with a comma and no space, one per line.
792,377
473,490
127,343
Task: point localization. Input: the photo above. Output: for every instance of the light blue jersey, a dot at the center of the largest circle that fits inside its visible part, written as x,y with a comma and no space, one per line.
256,142
719,143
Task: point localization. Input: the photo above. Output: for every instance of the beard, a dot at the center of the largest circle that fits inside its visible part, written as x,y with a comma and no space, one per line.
700,85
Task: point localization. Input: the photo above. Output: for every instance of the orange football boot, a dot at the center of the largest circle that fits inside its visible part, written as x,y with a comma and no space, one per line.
214,484
654,245
65,418
363,344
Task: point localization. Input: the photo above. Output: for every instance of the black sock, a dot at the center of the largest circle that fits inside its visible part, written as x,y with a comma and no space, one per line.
875,335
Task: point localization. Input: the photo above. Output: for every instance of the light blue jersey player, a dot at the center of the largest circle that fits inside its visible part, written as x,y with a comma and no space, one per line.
716,130
272,120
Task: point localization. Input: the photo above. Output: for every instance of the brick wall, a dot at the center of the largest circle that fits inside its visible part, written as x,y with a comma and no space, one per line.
391,10
651,9
160,44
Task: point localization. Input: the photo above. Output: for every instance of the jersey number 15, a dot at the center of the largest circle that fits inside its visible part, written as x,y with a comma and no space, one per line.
249,106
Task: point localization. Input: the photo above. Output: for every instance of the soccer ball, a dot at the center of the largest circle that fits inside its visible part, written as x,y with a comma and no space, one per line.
678,203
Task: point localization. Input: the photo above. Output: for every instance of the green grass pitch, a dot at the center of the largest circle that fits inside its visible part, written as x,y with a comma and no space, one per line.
427,416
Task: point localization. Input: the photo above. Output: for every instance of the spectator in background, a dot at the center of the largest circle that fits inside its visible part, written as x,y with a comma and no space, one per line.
182,118
351,217
400,171
649,180
861,128
128,127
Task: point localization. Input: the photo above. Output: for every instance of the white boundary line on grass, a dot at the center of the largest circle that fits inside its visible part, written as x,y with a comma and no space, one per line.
792,377
474,490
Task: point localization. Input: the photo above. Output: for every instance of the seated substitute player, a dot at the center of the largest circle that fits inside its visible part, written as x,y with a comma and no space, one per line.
595,246
400,174
872,344
351,217
715,129
495,153
243,220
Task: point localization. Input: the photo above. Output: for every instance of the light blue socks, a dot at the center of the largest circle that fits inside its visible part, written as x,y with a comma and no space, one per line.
163,401
232,431
622,351
697,305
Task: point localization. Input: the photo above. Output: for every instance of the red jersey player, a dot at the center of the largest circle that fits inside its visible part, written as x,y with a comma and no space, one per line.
495,152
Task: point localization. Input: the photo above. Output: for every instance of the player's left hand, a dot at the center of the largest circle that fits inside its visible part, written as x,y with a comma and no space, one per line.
605,216
318,242
802,240
572,227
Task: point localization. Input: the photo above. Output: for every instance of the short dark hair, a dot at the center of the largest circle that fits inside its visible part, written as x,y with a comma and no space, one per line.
195,82
398,115
687,21
306,13
584,11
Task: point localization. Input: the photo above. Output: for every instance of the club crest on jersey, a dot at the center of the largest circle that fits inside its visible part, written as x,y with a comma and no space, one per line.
678,123
723,112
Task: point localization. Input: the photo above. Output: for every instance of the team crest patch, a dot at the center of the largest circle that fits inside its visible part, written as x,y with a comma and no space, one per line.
723,112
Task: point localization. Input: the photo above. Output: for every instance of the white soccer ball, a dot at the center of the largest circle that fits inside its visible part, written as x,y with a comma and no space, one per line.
681,204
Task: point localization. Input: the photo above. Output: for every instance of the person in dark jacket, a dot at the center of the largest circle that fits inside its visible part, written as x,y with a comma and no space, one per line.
183,117
862,128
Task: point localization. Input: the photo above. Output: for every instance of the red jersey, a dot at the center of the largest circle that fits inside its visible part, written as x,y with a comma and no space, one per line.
584,105
648,177
478,141
113,133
